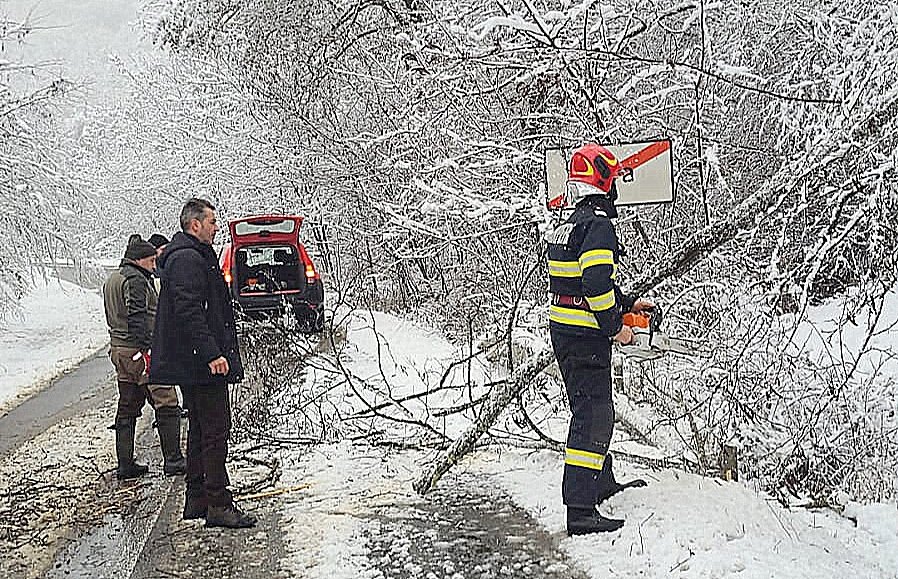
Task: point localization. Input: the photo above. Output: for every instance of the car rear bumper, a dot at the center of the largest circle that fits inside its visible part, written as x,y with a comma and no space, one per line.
308,315
276,304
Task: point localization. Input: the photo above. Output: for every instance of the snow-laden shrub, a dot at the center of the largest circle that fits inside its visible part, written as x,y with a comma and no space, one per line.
809,402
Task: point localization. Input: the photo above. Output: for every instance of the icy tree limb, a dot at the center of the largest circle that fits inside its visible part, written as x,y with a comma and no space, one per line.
794,174
499,398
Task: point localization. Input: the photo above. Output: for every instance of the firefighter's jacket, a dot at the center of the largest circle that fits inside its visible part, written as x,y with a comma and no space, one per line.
583,258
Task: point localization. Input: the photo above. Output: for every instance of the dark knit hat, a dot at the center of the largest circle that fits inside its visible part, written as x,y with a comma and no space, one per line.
157,240
139,249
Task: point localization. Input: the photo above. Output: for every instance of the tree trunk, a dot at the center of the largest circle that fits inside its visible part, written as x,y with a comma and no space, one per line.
499,398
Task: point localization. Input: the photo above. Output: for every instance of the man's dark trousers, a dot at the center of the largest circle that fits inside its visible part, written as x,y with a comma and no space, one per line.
207,442
585,363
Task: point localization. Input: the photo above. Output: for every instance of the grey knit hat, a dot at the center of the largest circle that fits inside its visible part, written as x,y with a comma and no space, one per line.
139,249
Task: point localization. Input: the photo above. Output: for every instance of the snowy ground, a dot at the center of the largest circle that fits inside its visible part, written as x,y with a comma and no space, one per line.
350,510
680,523
694,526
834,334
59,325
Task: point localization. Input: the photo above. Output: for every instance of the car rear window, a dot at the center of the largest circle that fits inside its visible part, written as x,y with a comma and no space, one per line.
257,255
270,225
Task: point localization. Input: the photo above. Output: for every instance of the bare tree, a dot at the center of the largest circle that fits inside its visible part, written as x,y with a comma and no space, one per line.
31,185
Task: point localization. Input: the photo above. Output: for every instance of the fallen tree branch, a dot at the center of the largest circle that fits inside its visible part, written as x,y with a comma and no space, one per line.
499,398
790,177
273,493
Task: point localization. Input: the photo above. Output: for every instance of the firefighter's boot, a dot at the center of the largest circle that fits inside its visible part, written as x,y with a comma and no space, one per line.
124,450
586,521
229,516
168,423
609,485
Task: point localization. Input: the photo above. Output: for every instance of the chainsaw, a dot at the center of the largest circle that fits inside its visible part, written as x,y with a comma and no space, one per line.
649,342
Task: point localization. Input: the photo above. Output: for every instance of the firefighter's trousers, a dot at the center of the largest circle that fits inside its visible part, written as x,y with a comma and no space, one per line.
585,363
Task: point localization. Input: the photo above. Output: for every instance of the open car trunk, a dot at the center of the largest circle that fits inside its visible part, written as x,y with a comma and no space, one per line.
268,269
269,272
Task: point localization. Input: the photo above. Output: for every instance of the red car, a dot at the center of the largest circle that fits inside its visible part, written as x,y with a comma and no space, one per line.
270,273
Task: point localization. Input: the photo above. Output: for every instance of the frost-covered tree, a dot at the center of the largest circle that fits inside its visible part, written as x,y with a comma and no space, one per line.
166,136
31,186
416,130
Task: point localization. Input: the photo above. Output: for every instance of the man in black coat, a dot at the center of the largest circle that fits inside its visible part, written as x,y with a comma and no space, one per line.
195,345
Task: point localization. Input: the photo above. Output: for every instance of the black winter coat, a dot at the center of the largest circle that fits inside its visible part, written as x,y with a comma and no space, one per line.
194,319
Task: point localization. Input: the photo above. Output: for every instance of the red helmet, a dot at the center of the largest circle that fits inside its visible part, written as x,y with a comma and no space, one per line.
594,165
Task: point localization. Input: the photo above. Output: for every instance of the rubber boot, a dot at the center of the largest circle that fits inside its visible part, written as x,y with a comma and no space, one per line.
124,450
168,423
585,521
195,506
610,486
230,517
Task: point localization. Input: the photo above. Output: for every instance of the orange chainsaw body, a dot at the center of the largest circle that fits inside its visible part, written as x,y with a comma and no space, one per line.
636,320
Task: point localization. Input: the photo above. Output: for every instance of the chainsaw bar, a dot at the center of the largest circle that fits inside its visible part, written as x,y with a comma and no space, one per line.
648,345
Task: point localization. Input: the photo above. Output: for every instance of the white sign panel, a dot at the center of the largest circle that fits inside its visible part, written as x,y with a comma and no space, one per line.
646,173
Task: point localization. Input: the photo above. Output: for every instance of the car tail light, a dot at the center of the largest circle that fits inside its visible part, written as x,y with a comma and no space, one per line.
311,273
226,264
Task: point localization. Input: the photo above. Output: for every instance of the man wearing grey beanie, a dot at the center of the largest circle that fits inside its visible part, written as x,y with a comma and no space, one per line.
130,298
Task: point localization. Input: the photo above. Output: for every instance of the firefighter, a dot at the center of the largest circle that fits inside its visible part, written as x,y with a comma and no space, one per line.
584,317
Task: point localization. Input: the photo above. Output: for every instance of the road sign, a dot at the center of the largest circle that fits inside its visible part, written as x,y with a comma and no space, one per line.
646,174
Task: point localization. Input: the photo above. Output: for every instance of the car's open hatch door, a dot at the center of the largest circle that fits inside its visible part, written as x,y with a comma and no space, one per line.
265,229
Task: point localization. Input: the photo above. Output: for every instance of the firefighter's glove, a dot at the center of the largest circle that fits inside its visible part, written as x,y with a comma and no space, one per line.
642,305
624,336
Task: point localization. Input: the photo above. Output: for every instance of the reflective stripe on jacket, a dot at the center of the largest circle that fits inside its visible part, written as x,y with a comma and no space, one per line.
583,257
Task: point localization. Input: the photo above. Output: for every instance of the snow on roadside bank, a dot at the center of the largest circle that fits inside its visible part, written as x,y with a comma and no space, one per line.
835,333
60,324
702,527
680,524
